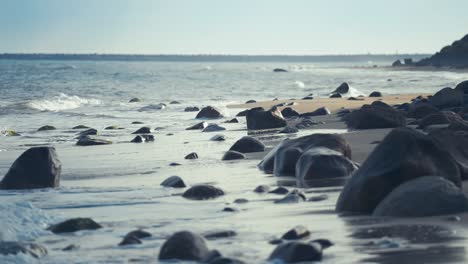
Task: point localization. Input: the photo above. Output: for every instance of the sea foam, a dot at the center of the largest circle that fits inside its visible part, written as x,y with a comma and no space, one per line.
61,102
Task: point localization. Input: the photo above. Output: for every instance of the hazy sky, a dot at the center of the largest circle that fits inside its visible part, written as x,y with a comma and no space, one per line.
231,26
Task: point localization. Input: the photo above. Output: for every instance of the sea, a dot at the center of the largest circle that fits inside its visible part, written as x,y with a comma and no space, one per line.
118,185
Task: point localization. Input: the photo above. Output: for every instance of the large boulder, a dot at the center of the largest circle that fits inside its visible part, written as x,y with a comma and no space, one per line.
421,110
209,112
257,118
173,182
185,245
463,86
285,156
88,141
447,98
248,145
233,155
289,112
443,118
423,196
376,115
73,225
37,167
456,144
322,163
203,192
403,155
342,89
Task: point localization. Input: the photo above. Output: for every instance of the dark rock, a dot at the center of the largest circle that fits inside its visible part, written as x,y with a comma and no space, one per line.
233,155
375,115
209,112
137,123
224,260
288,130
280,190
173,164
230,210
257,118
375,94
80,127
279,70
454,56
318,112
463,86
248,145
297,252
308,98
355,99
198,126
325,243
134,100
220,234
87,141
268,162
174,182
203,192
336,95
241,201
243,113
250,102
318,198
289,112
174,102
143,130
234,120
322,163
192,156
15,248
342,89
298,232
456,144
73,225
285,161
397,63
295,196
420,110
191,109
185,245
139,234
37,167
408,61
218,138
213,128
112,128
46,128
71,247
88,132
262,189
143,138
446,98
130,240
423,196
403,155
442,118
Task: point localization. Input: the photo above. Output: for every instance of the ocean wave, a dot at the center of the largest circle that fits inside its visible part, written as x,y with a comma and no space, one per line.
60,102
299,84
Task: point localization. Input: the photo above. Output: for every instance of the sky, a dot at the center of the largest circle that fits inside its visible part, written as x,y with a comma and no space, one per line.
254,27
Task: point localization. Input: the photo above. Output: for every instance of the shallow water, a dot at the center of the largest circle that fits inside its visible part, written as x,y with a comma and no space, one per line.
118,185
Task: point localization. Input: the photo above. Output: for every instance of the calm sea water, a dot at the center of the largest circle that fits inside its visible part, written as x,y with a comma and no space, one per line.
118,185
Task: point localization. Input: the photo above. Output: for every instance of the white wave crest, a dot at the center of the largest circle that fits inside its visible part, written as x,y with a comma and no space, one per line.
299,84
61,102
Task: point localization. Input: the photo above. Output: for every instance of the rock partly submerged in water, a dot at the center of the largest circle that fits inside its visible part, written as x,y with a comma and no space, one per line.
297,252
218,138
88,141
258,118
403,155
173,182
203,192
73,225
233,155
213,128
342,89
191,156
46,128
198,126
248,145
424,196
143,138
14,248
143,130
185,245
37,167
298,232
133,237
209,112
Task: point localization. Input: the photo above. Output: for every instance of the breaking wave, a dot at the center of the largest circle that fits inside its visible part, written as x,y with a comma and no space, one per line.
60,102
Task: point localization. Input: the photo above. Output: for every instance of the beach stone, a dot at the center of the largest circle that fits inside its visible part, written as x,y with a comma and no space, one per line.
137,123
224,260
250,102
325,243
218,138
342,89
213,128
288,130
336,95
322,163
88,132
233,155
289,112
80,127
112,128
422,197
421,110
199,126
191,156
203,192
71,247
243,113
241,201
298,232
46,128
87,141
174,102
375,94
279,70
446,98
376,115
308,97
191,109
143,130
139,234
257,118
232,121
287,153
220,234
130,240
37,167
456,144
280,190
463,86
209,112
14,248
173,182
318,112
297,252
230,210
403,155
262,189
134,100
248,145
143,138
442,118
174,164
295,196
185,245
73,225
